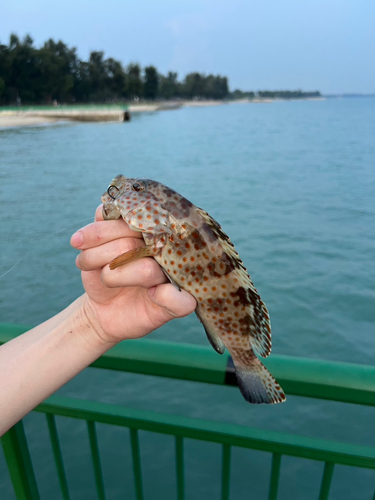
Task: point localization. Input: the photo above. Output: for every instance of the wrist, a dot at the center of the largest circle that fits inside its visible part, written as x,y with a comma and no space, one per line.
89,327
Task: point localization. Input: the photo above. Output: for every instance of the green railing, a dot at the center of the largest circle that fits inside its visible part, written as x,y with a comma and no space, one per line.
343,382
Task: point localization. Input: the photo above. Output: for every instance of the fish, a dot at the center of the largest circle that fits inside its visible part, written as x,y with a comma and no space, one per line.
197,255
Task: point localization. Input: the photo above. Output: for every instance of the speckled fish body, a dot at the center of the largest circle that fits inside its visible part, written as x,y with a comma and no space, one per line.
199,257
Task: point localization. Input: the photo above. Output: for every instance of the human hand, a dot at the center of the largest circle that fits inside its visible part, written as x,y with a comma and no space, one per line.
132,300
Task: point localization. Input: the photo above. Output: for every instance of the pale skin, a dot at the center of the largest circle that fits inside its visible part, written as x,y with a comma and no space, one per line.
126,303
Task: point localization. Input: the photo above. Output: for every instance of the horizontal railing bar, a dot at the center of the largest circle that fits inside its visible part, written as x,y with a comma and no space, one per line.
245,437
345,382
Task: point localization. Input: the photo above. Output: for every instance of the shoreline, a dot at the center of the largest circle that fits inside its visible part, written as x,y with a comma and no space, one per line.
101,113
90,113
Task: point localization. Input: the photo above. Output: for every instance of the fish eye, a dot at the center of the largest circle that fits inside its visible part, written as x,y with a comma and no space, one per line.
113,191
139,185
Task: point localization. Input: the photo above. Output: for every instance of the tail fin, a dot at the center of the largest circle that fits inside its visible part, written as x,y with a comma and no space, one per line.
256,383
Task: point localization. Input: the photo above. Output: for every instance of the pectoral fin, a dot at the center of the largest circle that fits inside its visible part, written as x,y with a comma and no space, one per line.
171,280
213,338
135,254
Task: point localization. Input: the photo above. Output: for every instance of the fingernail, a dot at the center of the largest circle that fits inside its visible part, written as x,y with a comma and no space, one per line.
76,240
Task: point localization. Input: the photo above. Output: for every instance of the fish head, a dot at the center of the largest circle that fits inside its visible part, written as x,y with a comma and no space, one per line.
136,200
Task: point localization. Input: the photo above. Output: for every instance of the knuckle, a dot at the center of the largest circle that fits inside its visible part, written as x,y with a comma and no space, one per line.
122,245
85,260
82,260
108,277
151,271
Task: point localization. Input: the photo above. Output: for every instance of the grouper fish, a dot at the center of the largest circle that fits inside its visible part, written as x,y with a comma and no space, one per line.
196,255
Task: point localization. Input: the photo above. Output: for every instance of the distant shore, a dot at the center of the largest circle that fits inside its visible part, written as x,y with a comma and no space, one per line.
45,115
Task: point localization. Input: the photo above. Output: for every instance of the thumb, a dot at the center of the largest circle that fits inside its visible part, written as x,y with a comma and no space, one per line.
175,303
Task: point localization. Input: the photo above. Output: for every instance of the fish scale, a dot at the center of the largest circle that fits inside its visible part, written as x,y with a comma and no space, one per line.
197,256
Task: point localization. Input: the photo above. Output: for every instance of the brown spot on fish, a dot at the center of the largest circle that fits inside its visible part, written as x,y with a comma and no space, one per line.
246,322
208,232
242,295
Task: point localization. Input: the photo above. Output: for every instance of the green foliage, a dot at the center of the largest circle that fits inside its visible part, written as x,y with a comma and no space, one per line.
151,83
169,87
134,86
116,78
208,87
57,66
273,94
239,94
55,73
2,87
286,94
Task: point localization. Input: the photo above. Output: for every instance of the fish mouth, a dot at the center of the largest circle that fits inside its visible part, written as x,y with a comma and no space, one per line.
110,211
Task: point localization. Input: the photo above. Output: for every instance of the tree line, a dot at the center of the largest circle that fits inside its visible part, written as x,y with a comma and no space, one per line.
274,94
54,72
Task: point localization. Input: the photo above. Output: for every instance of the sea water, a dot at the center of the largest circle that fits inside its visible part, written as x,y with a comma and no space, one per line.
293,184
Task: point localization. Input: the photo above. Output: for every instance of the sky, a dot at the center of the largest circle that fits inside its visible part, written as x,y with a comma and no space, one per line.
326,45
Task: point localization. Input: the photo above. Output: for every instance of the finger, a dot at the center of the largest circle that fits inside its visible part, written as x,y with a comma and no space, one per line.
101,232
99,213
175,303
143,272
98,256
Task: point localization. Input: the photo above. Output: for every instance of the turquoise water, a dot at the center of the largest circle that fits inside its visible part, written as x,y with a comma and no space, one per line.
293,184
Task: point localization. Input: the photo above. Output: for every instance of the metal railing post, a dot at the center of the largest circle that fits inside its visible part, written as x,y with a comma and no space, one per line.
18,459
275,474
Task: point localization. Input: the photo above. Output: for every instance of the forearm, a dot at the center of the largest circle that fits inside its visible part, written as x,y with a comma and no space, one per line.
37,363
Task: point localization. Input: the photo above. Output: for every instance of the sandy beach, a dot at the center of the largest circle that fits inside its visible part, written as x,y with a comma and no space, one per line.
101,113
43,116
8,120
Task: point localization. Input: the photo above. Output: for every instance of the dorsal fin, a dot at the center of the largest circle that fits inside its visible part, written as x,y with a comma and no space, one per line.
258,320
